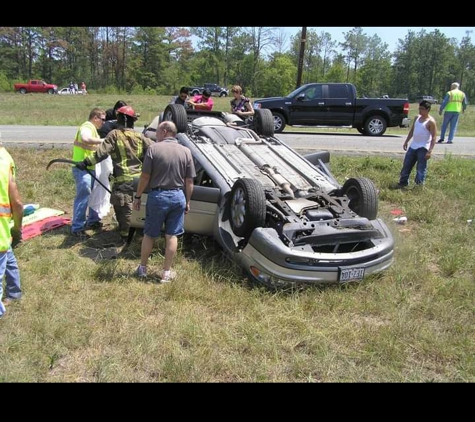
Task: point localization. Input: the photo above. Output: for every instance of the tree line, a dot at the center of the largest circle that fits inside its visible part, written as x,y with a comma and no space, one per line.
263,60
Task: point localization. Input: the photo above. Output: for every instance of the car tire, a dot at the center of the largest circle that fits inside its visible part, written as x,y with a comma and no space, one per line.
375,126
223,94
362,195
23,91
279,122
361,130
194,92
51,91
263,122
247,207
177,114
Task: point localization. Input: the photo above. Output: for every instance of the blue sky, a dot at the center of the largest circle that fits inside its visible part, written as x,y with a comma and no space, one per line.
388,34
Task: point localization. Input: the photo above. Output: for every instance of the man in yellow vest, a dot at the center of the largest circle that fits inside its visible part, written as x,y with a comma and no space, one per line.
455,102
11,206
85,144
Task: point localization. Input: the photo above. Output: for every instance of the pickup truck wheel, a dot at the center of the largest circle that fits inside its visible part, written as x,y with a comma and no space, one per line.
360,130
51,91
22,90
375,126
279,122
247,206
223,94
263,122
363,196
177,114
194,92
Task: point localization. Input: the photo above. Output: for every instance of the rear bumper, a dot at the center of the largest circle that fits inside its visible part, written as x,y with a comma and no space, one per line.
279,265
405,122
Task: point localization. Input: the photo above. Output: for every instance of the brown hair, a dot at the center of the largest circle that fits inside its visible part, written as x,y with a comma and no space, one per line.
237,89
96,112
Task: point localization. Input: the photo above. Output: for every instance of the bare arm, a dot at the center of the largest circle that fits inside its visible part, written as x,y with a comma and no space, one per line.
87,138
433,132
249,111
143,183
188,193
409,135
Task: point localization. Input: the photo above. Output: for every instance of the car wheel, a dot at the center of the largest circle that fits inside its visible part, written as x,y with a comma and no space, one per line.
247,206
363,196
51,91
279,122
22,91
375,126
177,114
263,122
360,130
195,92
223,94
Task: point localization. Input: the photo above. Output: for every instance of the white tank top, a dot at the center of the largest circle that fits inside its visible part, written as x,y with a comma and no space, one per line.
421,137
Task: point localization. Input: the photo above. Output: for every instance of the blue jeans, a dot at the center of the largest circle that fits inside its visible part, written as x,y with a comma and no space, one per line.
450,118
412,157
10,271
84,183
165,207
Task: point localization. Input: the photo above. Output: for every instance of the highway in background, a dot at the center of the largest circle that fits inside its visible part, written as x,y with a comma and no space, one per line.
304,142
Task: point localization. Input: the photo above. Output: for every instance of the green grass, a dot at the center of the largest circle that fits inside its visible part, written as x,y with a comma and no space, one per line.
72,110
85,318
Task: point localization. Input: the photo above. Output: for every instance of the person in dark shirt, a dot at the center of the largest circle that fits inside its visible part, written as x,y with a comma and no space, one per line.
182,98
111,113
111,119
241,105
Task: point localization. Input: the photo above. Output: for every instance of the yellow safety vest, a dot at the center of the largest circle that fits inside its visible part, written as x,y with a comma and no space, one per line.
455,101
7,165
81,150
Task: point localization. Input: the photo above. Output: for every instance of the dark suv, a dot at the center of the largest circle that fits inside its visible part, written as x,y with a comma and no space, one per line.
215,89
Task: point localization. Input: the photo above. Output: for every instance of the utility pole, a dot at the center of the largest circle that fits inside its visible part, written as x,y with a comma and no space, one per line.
303,39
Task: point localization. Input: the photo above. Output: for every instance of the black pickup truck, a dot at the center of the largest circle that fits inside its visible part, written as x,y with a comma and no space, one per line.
215,89
336,105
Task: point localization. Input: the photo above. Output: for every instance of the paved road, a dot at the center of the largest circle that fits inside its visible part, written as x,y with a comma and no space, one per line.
338,143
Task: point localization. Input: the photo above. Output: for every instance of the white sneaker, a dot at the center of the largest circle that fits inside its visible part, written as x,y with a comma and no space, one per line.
167,276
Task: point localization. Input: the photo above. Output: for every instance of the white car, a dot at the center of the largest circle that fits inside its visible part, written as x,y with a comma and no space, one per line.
67,91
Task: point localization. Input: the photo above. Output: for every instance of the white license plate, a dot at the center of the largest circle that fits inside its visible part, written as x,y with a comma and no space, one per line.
351,274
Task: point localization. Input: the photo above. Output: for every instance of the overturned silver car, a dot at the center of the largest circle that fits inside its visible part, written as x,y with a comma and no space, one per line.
280,216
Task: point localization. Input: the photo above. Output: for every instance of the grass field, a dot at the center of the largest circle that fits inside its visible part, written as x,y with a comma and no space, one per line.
84,317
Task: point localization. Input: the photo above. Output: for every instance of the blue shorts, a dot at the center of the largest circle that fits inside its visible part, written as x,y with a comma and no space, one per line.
165,209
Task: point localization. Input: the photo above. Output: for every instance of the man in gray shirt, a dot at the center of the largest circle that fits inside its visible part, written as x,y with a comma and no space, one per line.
169,169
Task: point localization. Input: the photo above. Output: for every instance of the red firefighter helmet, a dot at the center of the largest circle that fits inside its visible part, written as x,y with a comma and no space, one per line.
128,111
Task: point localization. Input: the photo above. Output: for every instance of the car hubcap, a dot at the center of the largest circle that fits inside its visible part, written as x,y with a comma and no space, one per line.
238,208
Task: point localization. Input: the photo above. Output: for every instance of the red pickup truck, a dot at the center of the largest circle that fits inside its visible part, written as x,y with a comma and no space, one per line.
36,85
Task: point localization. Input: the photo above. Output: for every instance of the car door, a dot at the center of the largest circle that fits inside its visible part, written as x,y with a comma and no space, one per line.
35,86
340,107
308,107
